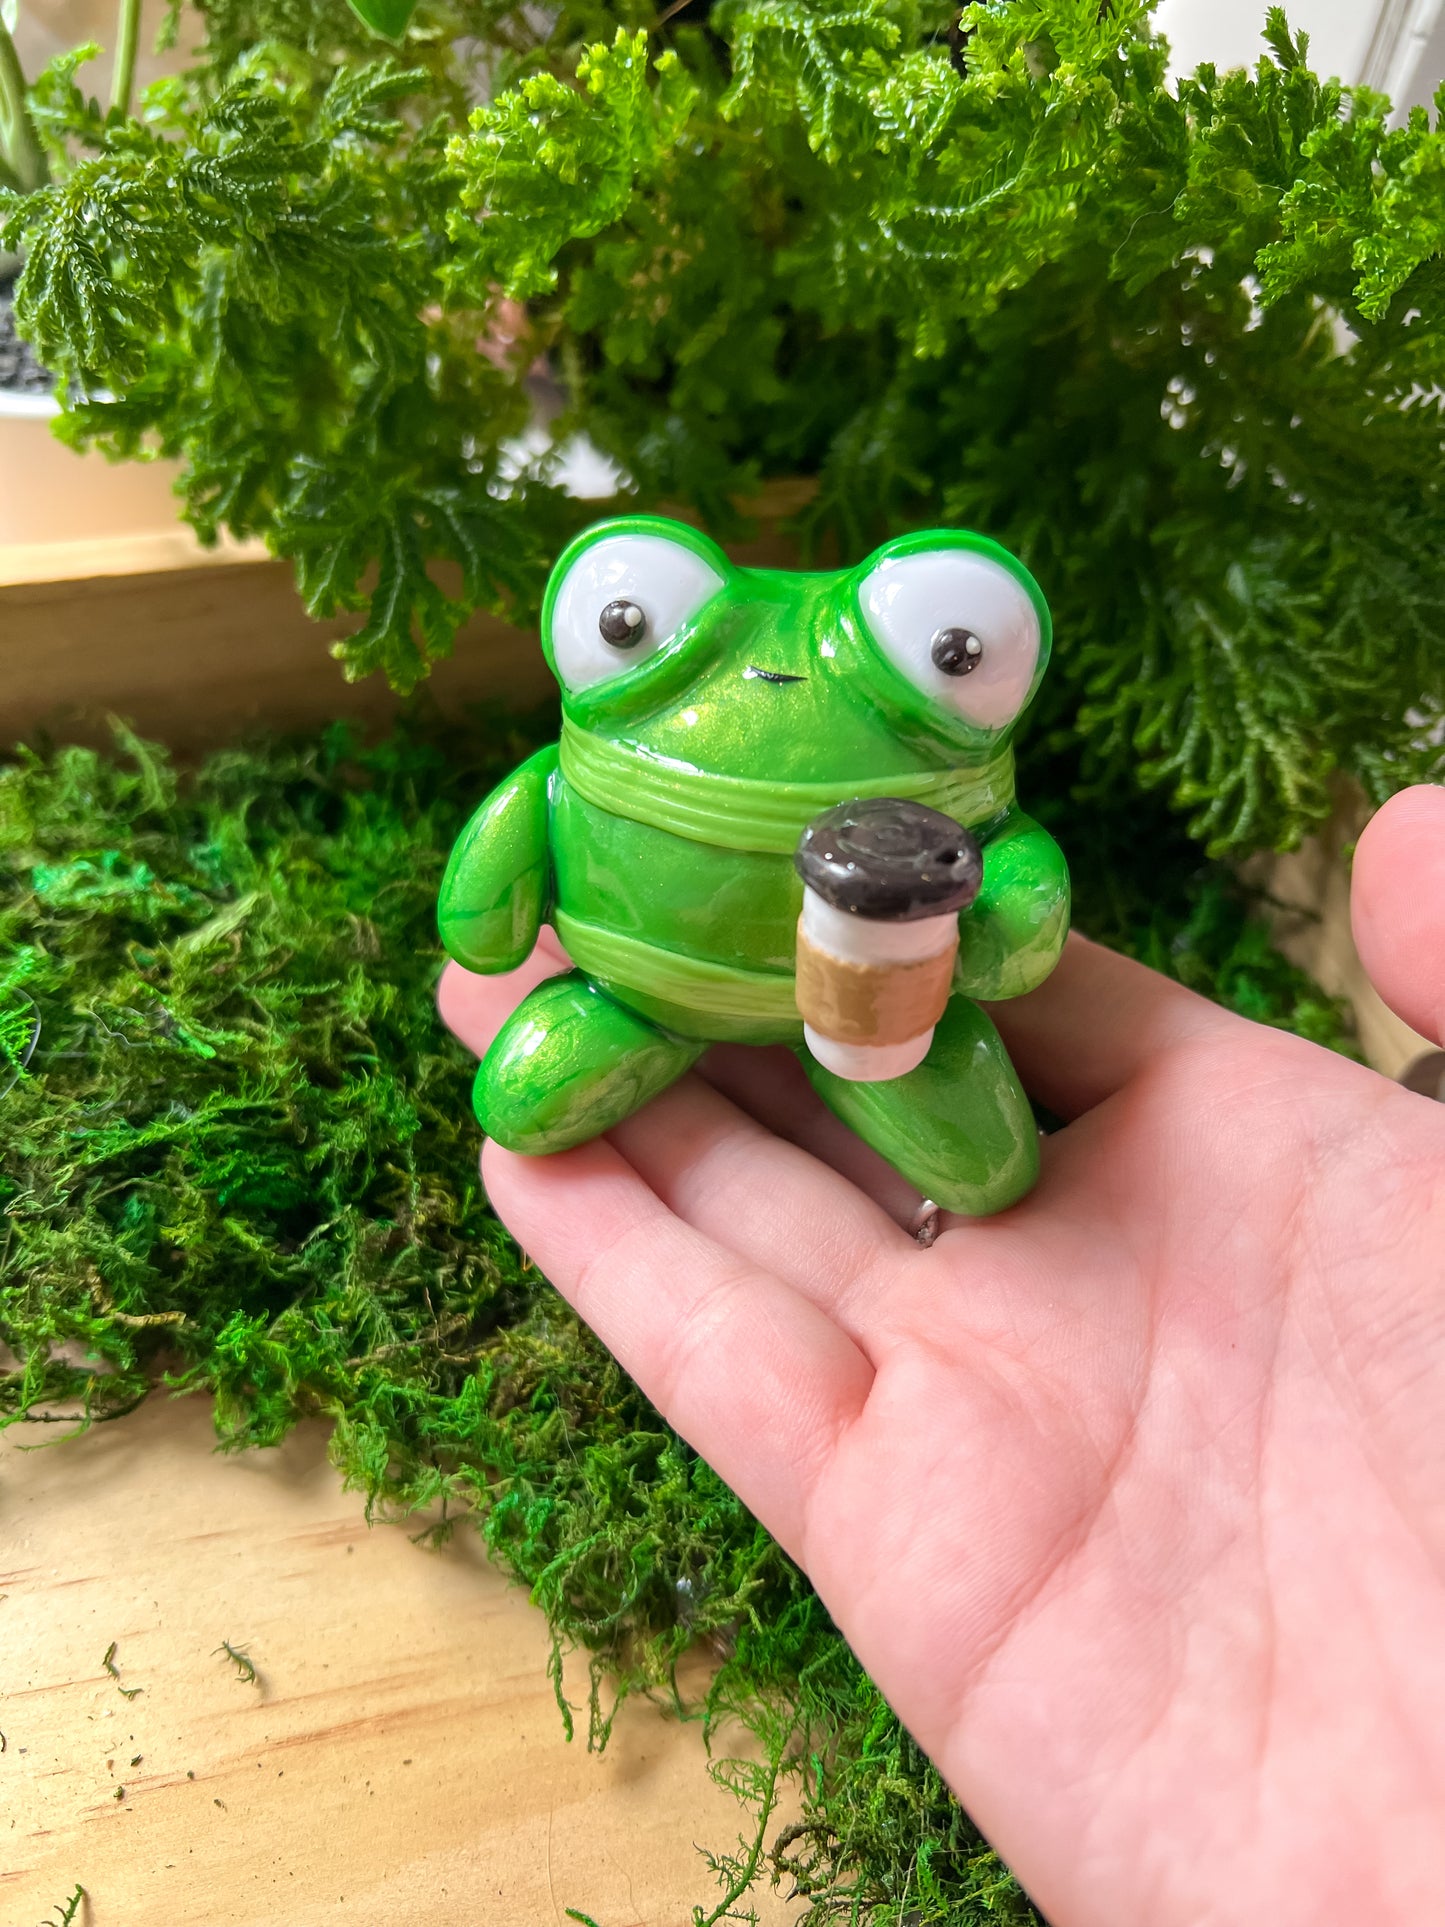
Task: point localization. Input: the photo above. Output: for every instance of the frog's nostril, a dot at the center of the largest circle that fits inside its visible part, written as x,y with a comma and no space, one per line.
752,672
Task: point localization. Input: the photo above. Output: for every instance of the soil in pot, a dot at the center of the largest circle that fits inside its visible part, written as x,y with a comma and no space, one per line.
20,372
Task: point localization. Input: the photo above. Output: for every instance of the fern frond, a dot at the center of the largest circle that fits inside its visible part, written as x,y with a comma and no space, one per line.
1180,343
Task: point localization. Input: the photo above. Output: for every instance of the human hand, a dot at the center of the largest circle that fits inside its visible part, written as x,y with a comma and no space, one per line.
1132,1499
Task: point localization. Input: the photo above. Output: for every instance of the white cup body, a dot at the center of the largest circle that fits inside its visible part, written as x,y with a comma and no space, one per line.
863,940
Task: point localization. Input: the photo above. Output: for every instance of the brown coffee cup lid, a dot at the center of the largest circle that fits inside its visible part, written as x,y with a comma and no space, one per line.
885,858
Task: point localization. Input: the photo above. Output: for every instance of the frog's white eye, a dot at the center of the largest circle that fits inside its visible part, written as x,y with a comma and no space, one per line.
959,626
621,601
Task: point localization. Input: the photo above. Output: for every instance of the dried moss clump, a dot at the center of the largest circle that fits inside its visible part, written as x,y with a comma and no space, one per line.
241,1156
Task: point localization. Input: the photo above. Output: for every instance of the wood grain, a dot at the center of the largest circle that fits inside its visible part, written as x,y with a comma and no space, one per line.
401,1760
197,646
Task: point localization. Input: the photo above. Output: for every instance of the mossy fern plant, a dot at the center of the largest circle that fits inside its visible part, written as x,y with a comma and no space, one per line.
1178,344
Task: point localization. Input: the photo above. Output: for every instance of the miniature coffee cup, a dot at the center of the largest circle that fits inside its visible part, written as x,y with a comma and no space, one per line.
884,881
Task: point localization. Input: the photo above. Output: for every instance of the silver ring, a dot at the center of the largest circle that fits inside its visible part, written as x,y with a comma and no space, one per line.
923,1225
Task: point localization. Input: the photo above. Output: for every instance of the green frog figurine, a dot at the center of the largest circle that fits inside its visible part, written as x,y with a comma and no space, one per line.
740,746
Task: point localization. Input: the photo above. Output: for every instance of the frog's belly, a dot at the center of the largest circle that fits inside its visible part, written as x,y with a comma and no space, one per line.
700,939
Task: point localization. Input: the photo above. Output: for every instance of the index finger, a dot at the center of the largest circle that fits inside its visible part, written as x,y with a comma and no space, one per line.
1397,905
754,1375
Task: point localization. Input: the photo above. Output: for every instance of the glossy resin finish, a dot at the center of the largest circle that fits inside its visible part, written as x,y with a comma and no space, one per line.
711,713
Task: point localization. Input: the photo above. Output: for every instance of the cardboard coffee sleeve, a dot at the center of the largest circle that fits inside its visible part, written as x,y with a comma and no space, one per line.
884,881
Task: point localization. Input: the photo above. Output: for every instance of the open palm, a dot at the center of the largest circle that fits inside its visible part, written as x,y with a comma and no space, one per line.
1132,1499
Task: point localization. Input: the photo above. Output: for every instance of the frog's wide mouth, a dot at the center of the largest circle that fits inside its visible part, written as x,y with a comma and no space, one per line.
753,674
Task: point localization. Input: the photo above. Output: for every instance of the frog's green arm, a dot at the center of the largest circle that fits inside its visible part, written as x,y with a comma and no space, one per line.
1011,938
494,893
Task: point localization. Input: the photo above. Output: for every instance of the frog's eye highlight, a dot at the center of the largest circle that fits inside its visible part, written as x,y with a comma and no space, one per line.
959,626
622,600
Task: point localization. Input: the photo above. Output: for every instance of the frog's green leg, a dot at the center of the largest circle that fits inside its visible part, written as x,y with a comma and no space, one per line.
569,1063
494,893
959,1127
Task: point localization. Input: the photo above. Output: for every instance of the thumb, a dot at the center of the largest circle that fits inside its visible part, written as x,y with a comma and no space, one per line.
1397,906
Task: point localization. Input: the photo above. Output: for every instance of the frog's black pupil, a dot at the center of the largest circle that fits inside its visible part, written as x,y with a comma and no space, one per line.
956,651
622,624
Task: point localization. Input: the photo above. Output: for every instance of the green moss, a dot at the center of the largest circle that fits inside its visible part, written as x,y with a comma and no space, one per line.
241,1159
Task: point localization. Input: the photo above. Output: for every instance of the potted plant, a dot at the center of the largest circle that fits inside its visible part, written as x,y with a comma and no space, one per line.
1174,344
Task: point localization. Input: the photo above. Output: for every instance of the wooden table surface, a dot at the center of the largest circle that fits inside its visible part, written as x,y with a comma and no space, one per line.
400,1760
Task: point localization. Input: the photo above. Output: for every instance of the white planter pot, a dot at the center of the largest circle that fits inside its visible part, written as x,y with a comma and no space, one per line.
109,604
50,494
